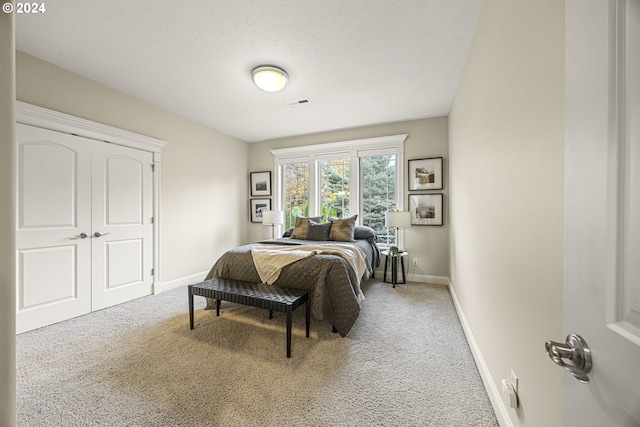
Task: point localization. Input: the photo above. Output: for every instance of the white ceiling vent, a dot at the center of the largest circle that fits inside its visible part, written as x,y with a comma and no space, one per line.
297,102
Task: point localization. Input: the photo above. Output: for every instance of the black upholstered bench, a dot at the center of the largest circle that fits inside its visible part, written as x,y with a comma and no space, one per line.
259,295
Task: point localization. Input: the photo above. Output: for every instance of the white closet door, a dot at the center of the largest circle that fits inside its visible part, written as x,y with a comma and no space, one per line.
122,210
84,235
53,210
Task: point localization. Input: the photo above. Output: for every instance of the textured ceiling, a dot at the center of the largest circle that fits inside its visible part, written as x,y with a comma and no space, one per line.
359,62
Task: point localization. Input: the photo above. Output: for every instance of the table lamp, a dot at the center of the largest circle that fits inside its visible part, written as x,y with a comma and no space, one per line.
397,220
272,218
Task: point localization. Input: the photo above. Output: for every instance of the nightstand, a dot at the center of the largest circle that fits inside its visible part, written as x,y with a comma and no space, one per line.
393,260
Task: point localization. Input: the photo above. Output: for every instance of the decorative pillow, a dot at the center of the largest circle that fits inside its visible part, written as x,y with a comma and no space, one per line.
362,232
300,229
343,229
317,231
289,232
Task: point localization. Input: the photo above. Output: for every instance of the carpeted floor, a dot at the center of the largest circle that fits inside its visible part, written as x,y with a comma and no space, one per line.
405,363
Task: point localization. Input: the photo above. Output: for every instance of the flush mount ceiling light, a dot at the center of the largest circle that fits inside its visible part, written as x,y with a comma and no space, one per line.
271,79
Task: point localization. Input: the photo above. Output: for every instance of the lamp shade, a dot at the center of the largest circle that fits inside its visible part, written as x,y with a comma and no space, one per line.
272,217
271,79
397,219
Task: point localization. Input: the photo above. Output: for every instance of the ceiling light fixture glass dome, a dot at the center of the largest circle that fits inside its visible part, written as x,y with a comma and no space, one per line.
271,79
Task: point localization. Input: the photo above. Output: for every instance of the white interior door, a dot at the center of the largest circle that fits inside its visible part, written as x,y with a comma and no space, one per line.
84,235
602,256
53,211
122,233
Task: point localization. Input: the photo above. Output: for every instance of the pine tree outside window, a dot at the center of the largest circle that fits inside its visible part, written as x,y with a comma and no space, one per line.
335,186
379,194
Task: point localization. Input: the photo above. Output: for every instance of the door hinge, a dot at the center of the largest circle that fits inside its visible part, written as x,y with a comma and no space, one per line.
153,167
152,271
152,220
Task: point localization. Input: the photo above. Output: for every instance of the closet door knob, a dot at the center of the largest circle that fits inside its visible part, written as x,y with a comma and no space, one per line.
99,234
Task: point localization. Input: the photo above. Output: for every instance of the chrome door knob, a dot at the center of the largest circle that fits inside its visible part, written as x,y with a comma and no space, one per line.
99,234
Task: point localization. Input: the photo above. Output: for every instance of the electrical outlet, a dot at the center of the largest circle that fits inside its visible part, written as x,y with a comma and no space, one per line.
415,261
514,381
508,394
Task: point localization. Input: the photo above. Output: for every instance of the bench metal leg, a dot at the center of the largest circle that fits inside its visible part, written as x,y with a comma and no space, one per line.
218,306
190,308
308,312
289,318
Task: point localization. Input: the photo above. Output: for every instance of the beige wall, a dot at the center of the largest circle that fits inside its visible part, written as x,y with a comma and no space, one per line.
506,161
7,230
426,138
204,172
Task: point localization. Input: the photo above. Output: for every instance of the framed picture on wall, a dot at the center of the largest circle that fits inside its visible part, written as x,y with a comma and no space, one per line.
426,209
260,183
257,207
425,174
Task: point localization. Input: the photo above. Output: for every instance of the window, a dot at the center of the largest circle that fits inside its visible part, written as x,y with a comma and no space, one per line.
334,193
341,179
295,181
379,193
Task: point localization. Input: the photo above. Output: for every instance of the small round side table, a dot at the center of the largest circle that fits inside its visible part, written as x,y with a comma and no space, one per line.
393,260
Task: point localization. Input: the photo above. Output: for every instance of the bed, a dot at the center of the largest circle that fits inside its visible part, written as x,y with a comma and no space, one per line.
324,262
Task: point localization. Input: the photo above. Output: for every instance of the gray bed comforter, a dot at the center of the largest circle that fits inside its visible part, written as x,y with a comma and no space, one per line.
335,289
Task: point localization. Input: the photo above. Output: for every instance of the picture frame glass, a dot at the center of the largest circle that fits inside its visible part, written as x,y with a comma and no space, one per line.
425,174
260,183
257,207
426,209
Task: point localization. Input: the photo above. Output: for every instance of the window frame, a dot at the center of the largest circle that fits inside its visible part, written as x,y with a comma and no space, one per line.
351,149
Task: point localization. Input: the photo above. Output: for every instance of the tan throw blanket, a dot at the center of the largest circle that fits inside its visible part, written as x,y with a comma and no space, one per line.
270,260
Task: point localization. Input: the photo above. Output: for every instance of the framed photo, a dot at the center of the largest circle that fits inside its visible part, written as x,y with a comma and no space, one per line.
260,183
426,209
257,207
425,174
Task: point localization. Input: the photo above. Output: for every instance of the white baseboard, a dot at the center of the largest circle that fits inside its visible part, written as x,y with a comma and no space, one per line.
495,396
420,278
181,281
428,278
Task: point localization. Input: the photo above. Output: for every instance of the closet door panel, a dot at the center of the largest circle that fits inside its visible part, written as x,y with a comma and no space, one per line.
53,211
48,177
60,287
122,211
124,262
